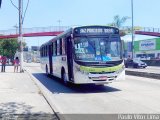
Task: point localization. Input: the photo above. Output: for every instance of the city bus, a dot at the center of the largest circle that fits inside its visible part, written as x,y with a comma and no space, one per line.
84,55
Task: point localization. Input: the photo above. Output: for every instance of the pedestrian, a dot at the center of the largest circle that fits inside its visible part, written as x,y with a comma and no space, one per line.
16,64
3,61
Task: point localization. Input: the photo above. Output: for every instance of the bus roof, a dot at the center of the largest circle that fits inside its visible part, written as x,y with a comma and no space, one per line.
58,36
69,31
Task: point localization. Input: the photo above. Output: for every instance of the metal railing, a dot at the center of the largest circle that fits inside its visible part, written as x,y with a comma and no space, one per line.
63,28
151,29
144,29
34,30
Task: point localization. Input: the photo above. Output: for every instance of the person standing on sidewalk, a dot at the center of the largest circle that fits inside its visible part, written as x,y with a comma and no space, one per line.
16,64
3,61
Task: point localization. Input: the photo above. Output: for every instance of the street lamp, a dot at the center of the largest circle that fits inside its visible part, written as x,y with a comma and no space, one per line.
132,30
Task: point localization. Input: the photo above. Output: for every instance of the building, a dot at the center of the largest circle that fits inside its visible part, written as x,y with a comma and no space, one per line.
149,48
34,48
144,49
26,49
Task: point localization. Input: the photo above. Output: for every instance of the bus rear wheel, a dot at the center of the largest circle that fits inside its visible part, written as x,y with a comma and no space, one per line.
47,70
64,78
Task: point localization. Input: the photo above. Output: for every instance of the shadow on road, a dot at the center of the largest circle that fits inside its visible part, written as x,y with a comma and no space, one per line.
55,85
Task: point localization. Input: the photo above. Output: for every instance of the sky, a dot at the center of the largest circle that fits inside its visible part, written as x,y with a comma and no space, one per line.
44,13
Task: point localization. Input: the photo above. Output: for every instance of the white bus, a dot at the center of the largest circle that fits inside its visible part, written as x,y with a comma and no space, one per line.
86,54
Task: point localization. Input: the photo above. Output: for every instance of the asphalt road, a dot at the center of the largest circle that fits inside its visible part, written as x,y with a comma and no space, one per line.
133,95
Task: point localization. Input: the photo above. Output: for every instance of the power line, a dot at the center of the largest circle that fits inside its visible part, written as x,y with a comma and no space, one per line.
14,5
23,16
25,11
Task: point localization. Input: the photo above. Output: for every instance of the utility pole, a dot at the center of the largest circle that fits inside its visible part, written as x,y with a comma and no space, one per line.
132,30
20,38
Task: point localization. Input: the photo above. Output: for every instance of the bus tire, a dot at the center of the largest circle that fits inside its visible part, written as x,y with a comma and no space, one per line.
64,77
47,70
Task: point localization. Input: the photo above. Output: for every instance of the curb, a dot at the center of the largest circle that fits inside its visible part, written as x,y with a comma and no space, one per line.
47,95
143,74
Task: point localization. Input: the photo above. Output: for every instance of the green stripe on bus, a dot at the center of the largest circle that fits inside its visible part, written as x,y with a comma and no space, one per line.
105,69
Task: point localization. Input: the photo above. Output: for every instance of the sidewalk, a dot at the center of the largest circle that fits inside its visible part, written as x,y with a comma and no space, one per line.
20,95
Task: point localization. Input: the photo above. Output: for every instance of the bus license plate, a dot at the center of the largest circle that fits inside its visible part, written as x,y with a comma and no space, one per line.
103,78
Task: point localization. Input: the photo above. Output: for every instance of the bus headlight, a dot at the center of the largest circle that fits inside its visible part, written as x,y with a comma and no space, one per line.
84,72
119,71
77,68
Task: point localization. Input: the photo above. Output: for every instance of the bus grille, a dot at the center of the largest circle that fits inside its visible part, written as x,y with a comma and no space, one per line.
101,72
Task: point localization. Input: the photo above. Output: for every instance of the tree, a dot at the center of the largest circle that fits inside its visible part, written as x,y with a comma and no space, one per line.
8,47
118,22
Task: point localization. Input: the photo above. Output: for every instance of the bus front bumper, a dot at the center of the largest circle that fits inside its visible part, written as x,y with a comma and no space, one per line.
84,78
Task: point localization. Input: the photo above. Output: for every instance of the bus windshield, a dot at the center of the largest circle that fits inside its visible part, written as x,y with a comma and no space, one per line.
96,49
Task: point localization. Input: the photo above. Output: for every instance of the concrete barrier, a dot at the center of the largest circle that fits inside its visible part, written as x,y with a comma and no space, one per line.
143,74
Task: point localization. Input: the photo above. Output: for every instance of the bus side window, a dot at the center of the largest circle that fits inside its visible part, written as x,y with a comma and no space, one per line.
63,47
54,49
58,47
42,52
46,50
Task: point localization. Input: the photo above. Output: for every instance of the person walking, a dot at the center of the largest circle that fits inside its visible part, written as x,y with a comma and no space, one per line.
16,64
3,61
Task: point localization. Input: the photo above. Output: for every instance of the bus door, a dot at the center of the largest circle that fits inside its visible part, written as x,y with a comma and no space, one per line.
50,59
70,59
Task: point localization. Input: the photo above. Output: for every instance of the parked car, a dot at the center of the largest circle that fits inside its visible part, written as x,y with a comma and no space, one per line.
135,63
29,60
38,60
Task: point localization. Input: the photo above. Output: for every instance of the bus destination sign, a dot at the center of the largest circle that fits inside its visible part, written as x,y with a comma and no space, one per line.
96,30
